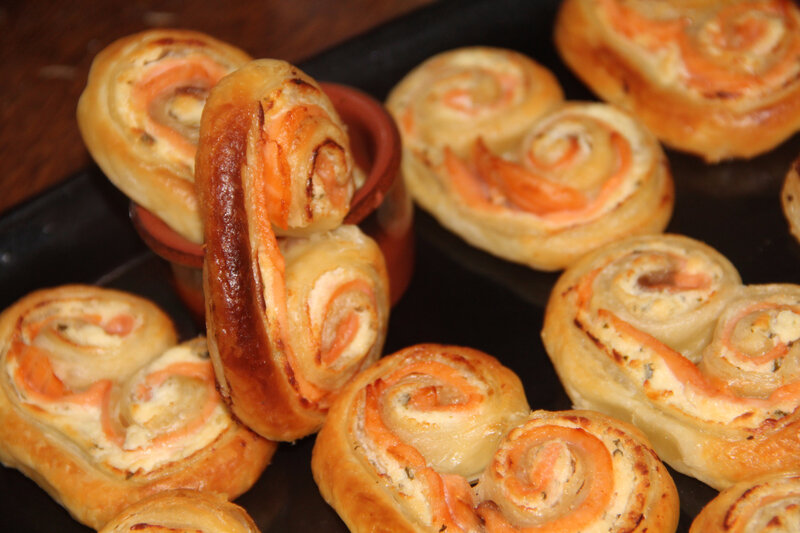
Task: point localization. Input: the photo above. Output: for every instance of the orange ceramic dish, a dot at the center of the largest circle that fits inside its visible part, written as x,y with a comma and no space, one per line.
101,408
717,79
139,116
290,320
659,331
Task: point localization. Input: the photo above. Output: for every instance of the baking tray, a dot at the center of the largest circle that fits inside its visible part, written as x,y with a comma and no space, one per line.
79,232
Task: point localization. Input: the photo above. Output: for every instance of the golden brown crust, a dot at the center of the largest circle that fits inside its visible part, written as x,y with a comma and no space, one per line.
790,198
716,103
765,503
97,452
537,184
140,111
348,453
183,510
659,331
577,471
290,319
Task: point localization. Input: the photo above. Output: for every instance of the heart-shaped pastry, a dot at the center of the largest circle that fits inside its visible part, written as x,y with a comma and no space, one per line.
101,408
660,331
492,152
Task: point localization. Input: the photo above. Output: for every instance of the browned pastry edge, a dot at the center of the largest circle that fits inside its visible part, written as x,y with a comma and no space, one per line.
233,316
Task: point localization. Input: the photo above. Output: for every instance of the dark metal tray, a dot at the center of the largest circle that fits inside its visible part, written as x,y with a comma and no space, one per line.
79,232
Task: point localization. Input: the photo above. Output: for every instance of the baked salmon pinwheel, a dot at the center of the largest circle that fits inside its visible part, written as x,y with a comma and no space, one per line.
720,79
766,503
576,471
101,408
291,319
183,510
790,198
451,98
539,188
139,116
660,332
405,438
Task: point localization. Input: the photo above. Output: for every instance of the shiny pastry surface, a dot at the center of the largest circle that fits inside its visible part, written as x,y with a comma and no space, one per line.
766,503
495,155
183,511
717,79
275,122
661,332
139,116
290,319
100,407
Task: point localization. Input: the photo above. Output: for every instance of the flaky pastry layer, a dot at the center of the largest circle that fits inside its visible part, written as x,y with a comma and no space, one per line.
660,332
101,408
492,152
139,116
717,79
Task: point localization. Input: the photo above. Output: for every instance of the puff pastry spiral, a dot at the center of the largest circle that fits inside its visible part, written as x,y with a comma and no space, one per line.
290,319
101,408
576,471
659,331
183,510
717,79
139,116
767,503
405,436
440,437
492,152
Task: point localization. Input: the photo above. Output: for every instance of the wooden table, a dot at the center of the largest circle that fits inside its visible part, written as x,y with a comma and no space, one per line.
46,49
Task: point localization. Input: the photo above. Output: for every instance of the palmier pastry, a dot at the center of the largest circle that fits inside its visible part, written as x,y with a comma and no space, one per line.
720,79
140,113
451,98
767,503
660,332
406,436
576,471
289,320
790,198
490,153
183,510
101,408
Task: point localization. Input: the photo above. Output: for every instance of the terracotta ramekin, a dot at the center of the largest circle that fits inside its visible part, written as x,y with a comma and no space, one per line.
381,207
